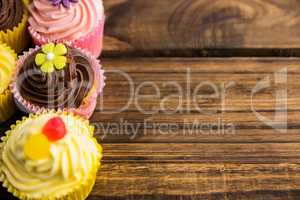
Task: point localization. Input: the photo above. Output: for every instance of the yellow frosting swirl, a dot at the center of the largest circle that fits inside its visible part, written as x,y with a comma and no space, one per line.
7,65
70,165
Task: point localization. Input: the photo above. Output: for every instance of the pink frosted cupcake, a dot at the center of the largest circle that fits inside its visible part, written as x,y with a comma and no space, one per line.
80,22
60,77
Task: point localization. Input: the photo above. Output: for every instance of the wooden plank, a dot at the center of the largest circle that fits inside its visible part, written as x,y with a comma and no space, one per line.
239,76
202,65
250,153
248,119
142,114
255,162
137,25
197,181
194,181
107,134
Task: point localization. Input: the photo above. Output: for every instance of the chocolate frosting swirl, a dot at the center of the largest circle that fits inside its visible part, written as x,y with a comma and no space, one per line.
61,89
11,13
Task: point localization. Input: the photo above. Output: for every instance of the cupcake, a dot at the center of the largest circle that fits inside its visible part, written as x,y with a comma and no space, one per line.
50,156
80,22
13,24
7,66
57,76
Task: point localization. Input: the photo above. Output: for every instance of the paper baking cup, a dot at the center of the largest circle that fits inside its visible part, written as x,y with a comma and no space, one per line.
7,106
88,104
17,37
81,191
91,42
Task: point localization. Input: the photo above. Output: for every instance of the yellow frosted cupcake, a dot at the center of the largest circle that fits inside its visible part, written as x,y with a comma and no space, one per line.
13,24
50,156
7,67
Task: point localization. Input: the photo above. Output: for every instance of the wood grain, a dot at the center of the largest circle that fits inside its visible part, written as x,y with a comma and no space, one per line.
137,25
244,73
196,181
255,161
239,76
261,153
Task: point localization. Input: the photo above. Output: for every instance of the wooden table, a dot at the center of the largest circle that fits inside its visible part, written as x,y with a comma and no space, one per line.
202,100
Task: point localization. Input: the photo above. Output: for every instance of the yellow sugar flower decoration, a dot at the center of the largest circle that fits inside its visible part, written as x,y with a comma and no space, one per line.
53,57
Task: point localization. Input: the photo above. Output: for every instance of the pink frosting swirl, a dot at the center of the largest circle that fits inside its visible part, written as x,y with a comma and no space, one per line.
60,23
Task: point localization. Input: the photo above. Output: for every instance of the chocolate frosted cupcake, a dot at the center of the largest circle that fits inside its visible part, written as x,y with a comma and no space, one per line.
11,13
13,24
58,76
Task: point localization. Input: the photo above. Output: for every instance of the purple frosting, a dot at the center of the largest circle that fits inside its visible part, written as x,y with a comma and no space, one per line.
65,3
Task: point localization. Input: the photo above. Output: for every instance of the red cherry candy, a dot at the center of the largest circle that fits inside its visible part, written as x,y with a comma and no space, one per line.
55,129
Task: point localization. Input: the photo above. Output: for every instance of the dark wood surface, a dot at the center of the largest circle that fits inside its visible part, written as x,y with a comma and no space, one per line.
139,25
256,161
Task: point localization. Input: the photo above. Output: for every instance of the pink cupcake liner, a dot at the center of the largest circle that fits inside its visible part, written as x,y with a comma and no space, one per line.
91,42
89,103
